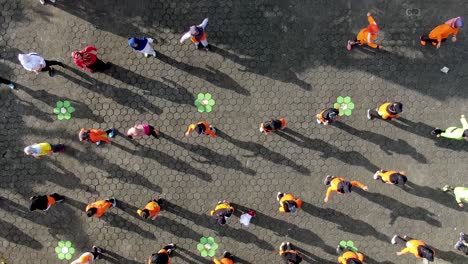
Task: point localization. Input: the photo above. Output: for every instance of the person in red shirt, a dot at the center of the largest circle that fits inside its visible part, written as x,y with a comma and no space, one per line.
96,136
386,111
86,59
442,32
151,210
391,177
417,247
162,257
340,185
201,128
272,125
228,258
98,208
366,35
288,203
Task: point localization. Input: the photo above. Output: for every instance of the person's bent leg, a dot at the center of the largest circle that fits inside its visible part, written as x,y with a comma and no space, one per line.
57,148
57,197
399,240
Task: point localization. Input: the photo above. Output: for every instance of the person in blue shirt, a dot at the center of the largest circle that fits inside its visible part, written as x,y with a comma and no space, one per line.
142,45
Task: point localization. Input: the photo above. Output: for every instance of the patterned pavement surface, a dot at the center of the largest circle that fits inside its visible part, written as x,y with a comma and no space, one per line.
275,58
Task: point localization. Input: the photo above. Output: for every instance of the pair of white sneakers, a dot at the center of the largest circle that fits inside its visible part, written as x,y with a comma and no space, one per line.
43,1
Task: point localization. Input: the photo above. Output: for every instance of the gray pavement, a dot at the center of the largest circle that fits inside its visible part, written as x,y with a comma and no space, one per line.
271,59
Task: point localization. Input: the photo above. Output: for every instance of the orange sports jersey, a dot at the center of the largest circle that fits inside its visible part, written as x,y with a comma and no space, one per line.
153,208
194,40
412,247
442,32
223,261
348,255
101,207
289,197
366,37
85,258
334,185
383,112
96,135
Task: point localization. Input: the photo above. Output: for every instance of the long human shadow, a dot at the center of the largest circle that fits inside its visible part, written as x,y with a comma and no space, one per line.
181,253
436,195
166,160
344,221
309,257
211,75
114,220
25,108
285,229
176,93
327,150
122,96
115,258
211,157
386,144
267,154
240,235
450,256
15,235
399,209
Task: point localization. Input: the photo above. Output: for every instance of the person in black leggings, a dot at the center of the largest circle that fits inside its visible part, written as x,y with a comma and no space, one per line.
7,82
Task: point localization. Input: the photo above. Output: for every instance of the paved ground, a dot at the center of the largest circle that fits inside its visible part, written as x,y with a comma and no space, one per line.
272,59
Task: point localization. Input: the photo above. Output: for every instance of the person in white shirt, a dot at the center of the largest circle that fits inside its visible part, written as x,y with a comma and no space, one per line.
198,35
34,62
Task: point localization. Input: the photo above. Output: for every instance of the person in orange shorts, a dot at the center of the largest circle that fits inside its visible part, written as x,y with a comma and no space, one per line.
289,254
98,208
201,128
442,32
349,257
366,35
89,257
417,247
386,111
96,136
44,202
222,212
391,177
151,210
228,258
328,116
163,255
198,35
272,125
340,185
288,203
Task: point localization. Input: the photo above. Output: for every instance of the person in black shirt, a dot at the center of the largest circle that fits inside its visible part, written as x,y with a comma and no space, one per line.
44,202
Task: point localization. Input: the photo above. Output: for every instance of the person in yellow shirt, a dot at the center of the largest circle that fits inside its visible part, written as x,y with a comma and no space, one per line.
151,210
386,111
228,258
391,177
366,36
42,149
222,212
440,33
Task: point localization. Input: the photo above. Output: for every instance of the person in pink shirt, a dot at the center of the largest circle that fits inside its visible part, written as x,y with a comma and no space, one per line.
140,130
87,60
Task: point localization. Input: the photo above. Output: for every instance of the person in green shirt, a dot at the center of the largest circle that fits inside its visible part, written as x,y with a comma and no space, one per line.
461,193
453,132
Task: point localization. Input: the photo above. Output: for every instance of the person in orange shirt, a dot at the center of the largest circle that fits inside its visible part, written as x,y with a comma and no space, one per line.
391,177
351,257
340,185
163,255
289,254
201,128
96,136
442,32
386,111
98,208
89,257
417,247
151,210
222,212
44,202
288,203
228,258
366,35
272,125
328,116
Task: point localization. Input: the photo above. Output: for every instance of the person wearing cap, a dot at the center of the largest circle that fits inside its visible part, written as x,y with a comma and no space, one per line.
391,177
222,212
228,258
366,36
42,149
462,243
442,32
198,35
89,257
289,254
340,185
460,193
140,130
201,128
417,247
151,210
328,116
44,202
453,132
142,45
96,136
272,125
386,111
245,218
288,203
35,63
7,82
163,255
98,208
87,59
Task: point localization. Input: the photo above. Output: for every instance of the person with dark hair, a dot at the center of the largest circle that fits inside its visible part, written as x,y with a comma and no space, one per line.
44,202
442,32
142,45
228,258
391,177
386,111
462,243
222,212
7,82
340,185
98,208
366,36
272,125
86,59
89,257
140,130
42,149
201,128
417,247
460,193
163,255
347,256
289,254
288,203
35,63
96,136
151,210
453,132
198,35
328,116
